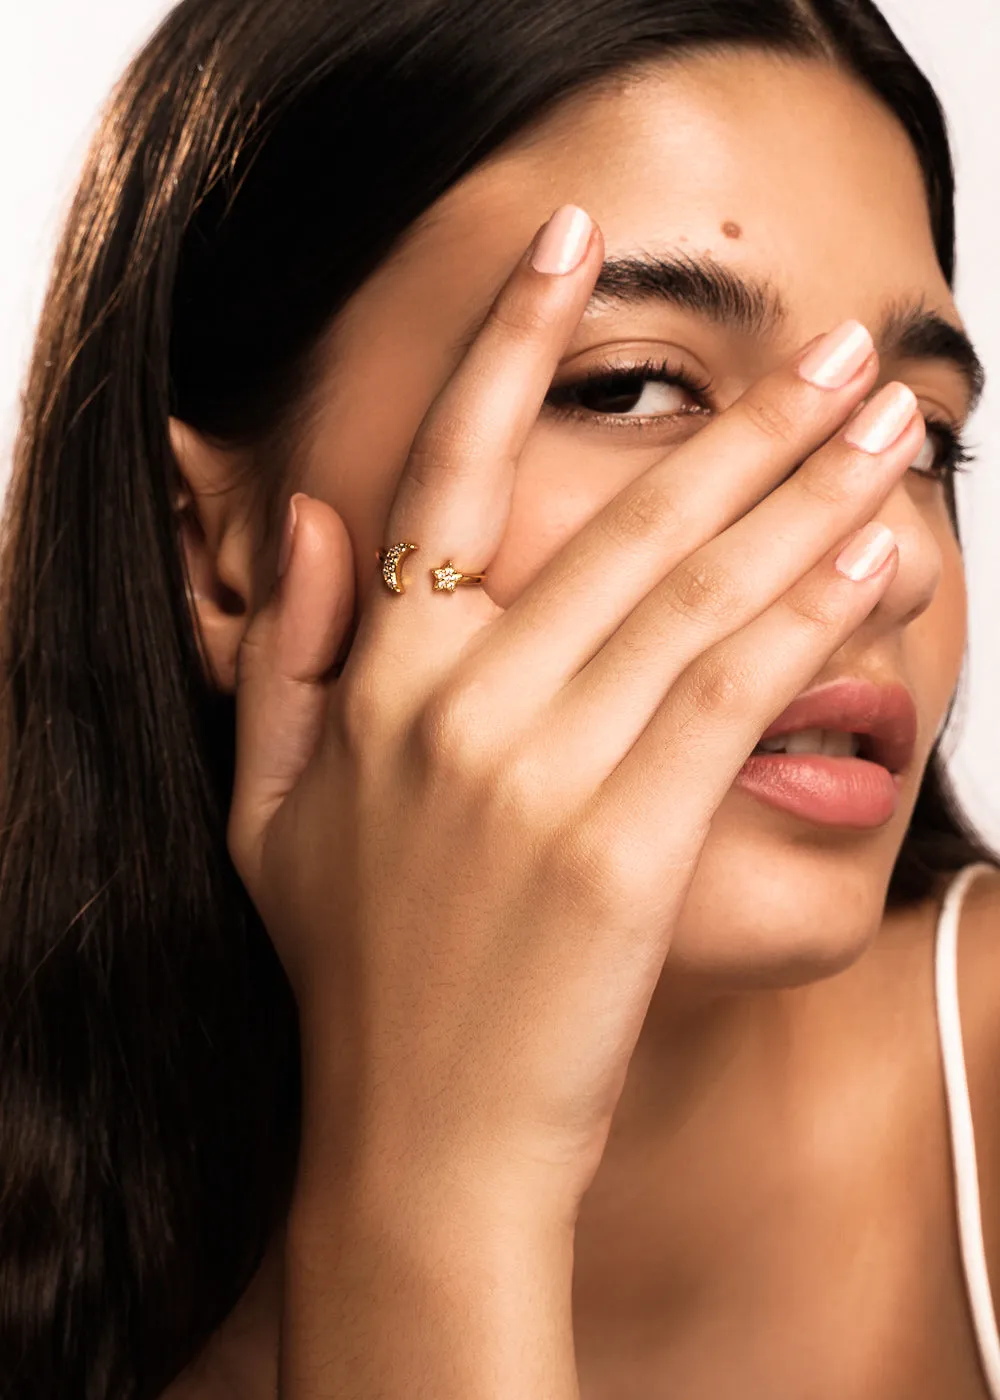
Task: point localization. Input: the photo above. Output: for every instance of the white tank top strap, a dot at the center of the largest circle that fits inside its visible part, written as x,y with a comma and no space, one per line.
963,1141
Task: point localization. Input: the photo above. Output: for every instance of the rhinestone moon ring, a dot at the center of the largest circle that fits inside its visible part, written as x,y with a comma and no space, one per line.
446,579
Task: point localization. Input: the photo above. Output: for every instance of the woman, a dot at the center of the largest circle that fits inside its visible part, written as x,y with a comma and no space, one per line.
433,989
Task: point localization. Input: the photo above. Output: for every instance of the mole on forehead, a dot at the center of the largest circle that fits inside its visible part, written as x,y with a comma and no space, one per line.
732,229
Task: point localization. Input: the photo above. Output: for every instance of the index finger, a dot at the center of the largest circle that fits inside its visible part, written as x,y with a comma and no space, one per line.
453,498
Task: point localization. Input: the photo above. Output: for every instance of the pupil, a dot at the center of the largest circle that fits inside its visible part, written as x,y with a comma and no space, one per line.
617,394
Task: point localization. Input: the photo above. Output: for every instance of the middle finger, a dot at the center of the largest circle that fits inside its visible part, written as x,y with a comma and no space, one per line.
581,597
738,575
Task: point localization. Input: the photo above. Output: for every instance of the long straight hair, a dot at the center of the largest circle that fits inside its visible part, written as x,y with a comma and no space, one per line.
257,162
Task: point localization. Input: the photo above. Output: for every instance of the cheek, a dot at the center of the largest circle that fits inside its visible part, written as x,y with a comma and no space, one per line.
563,481
370,411
935,641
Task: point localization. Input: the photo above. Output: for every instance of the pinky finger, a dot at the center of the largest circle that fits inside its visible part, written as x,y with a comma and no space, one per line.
284,676
663,795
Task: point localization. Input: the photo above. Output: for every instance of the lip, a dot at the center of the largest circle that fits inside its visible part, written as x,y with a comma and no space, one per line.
886,714
852,792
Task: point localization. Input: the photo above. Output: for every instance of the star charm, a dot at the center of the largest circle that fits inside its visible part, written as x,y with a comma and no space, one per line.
446,580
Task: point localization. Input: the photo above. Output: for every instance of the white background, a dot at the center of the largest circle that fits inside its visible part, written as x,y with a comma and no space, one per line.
59,58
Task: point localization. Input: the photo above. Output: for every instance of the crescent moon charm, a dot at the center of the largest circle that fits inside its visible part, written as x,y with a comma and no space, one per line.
391,559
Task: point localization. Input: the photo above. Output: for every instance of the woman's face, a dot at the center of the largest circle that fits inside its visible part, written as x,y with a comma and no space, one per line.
786,173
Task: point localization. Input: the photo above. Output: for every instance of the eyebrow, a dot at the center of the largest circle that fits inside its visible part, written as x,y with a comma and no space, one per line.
754,306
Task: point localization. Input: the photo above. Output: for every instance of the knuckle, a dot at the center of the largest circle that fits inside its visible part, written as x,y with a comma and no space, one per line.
816,608
643,512
718,688
821,484
423,465
698,589
521,784
596,868
444,442
519,315
450,738
771,420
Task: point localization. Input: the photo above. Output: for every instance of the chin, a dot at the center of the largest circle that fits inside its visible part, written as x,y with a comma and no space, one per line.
780,902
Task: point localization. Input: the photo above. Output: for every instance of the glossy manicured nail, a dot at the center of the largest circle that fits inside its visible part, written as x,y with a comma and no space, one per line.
563,241
884,420
866,552
837,358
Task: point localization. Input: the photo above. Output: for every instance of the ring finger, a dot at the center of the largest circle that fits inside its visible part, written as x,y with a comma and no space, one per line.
727,583
584,594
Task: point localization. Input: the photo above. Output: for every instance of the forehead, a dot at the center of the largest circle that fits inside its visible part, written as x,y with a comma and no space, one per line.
781,166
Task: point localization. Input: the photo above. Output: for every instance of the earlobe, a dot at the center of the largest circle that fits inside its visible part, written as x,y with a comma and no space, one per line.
214,530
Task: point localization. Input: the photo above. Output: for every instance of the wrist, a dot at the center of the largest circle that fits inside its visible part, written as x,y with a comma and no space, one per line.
401,1293
434,1198
381,1159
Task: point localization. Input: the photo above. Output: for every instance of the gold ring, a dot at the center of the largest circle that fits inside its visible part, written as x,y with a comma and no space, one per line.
446,579
390,560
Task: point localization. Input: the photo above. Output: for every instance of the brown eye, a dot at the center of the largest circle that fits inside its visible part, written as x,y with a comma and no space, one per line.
642,393
631,394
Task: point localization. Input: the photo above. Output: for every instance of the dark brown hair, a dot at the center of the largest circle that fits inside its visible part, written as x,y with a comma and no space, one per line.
258,161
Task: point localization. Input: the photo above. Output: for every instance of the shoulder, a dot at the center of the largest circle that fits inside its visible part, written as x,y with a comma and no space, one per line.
979,975
979,954
979,999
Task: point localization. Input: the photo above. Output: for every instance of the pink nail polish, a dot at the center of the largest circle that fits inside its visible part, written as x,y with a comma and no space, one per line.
563,241
866,552
884,420
837,358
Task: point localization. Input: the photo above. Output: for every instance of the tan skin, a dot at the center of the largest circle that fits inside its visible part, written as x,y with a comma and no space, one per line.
772,1213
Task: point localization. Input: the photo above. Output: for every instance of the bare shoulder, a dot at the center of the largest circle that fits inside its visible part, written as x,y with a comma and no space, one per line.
979,996
979,954
979,976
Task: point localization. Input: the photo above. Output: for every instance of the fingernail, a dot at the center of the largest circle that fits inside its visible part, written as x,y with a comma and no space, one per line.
563,241
866,552
884,420
839,355
288,535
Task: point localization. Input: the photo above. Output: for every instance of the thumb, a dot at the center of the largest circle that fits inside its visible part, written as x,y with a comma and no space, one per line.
283,674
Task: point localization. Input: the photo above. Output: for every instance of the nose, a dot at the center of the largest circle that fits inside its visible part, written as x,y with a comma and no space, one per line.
916,511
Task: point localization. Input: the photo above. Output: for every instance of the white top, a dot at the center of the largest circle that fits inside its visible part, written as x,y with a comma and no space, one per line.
963,1142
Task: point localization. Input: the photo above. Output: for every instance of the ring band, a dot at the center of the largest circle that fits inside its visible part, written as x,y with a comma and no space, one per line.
446,579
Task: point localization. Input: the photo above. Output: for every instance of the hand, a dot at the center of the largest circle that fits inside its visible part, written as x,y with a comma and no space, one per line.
471,850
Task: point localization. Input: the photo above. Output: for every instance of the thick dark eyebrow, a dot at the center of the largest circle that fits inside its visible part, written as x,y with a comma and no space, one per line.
755,307
701,285
914,333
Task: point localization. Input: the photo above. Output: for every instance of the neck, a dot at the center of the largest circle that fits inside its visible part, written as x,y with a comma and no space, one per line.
741,1111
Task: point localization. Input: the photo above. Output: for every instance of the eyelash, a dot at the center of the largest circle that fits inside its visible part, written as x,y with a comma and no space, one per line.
953,457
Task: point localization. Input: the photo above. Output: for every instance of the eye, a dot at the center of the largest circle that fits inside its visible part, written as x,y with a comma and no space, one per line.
626,395
943,454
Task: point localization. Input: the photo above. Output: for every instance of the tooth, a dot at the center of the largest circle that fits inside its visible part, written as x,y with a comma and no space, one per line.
838,744
805,741
835,743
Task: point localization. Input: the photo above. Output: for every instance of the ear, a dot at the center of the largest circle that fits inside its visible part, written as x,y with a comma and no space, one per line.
216,528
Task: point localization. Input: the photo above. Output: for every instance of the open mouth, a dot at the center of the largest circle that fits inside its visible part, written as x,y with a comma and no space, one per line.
837,756
833,743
